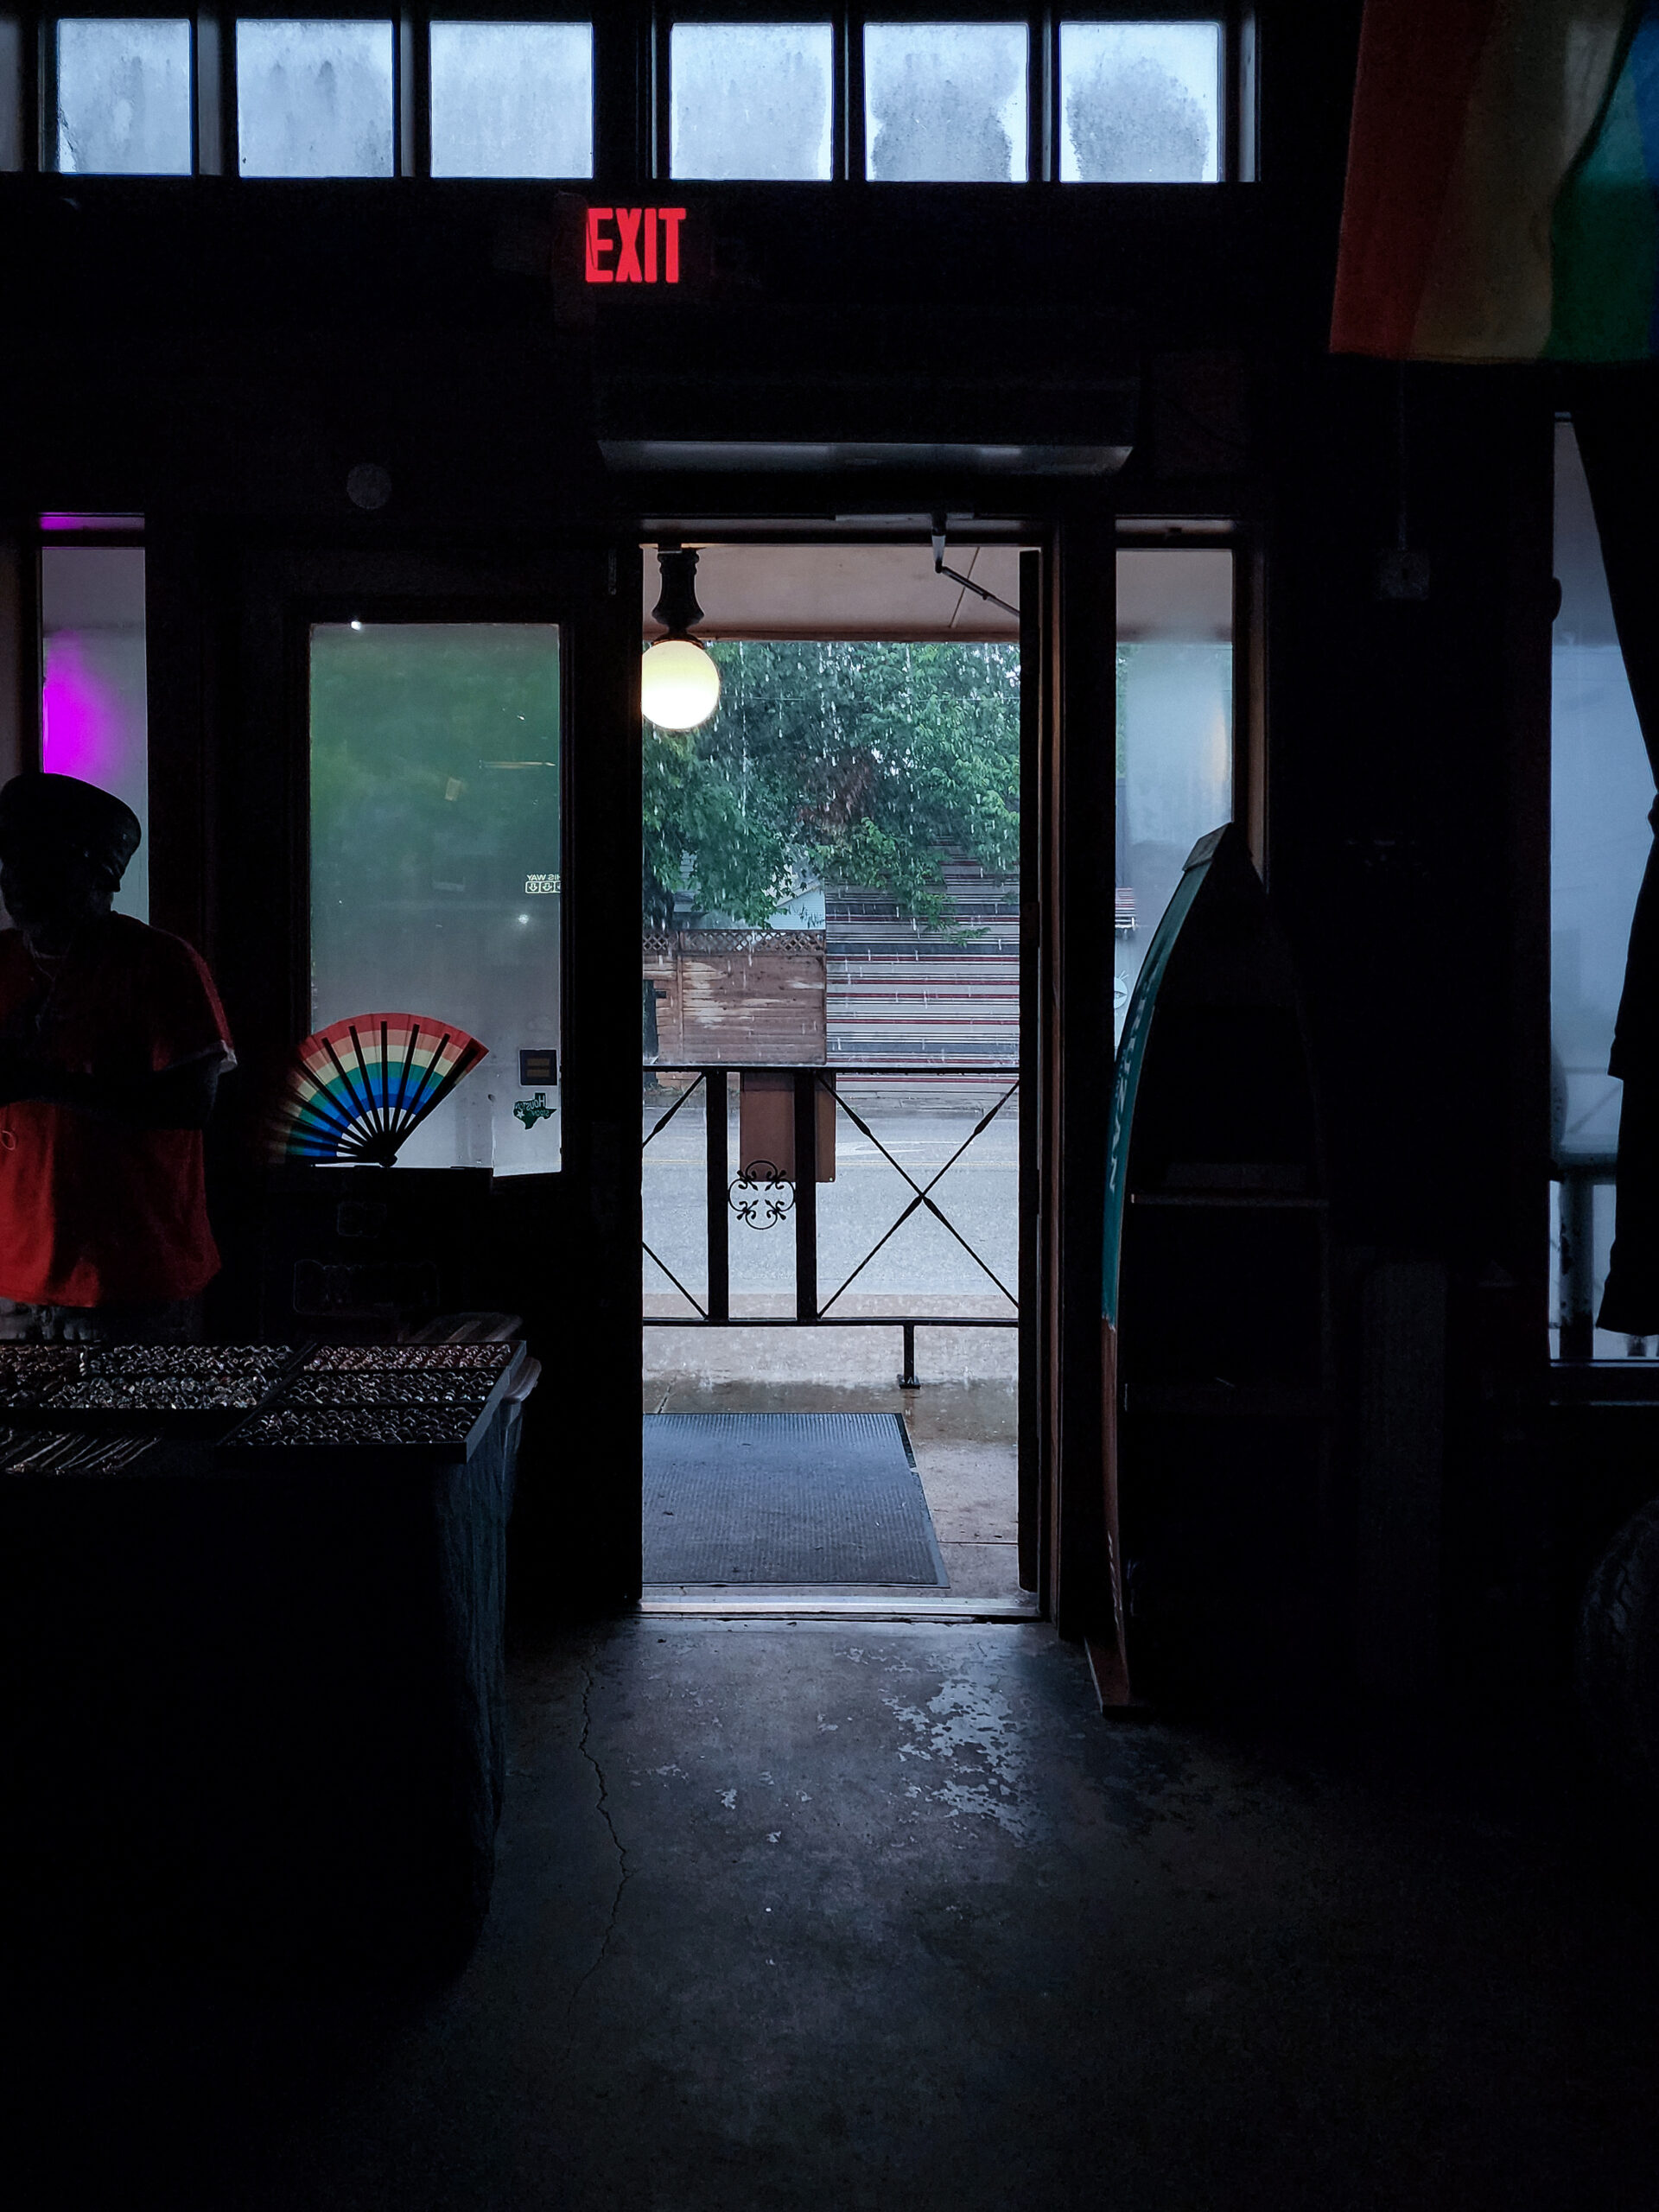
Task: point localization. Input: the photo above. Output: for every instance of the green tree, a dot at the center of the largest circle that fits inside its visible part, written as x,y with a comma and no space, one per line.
863,763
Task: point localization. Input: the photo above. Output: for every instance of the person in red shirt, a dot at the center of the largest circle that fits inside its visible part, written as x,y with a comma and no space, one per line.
112,1041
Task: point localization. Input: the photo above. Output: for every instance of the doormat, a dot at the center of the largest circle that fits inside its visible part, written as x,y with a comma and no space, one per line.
786,1498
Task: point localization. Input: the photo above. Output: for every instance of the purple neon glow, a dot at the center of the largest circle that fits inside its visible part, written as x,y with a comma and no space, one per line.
83,718
80,522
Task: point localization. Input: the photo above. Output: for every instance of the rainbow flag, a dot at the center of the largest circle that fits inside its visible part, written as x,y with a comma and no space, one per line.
1502,195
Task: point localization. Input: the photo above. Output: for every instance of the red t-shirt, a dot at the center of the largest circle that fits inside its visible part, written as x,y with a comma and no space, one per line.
92,1212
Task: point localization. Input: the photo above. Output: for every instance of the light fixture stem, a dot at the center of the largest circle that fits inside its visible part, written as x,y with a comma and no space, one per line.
677,609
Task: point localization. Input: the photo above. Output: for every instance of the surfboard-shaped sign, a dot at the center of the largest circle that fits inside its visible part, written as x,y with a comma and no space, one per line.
1214,1285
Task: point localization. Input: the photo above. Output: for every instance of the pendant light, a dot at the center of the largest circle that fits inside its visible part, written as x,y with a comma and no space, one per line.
679,684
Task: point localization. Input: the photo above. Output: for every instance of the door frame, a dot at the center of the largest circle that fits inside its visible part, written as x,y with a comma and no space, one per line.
1068,801
564,1242
574,1253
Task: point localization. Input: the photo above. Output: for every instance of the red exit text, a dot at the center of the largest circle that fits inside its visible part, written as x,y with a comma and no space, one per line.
633,245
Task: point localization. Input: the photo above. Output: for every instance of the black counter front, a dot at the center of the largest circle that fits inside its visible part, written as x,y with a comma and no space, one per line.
253,1704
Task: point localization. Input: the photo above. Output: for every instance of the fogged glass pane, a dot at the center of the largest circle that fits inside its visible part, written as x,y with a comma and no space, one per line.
124,97
945,103
11,93
1139,103
313,99
751,101
435,860
1174,733
513,100
94,717
1601,788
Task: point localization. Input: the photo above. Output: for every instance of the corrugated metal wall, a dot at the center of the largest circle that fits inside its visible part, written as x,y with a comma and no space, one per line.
898,991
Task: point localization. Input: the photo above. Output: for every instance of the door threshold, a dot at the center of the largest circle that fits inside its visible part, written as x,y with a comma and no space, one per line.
826,1605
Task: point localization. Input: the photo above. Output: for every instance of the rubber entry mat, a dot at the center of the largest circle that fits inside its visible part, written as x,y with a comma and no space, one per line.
786,1498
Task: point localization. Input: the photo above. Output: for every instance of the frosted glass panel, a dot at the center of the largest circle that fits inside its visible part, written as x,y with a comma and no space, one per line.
1139,103
11,93
1174,734
93,719
513,100
1601,788
435,865
123,97
945,103
313,99
751,101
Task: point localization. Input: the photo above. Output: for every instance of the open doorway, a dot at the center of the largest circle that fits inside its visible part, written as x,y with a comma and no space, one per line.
831,1085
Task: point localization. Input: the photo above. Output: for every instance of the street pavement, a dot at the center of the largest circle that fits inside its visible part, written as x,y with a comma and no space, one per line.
921,1267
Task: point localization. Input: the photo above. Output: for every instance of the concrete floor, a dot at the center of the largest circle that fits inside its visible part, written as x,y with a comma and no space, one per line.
837,1917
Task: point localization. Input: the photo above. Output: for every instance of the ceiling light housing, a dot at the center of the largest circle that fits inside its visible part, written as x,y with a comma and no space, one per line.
679,684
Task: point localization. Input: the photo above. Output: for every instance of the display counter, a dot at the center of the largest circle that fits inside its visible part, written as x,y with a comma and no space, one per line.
253,1656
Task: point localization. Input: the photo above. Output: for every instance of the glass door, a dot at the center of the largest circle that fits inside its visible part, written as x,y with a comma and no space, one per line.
432,807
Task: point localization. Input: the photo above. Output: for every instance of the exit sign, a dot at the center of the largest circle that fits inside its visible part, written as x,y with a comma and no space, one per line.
632,245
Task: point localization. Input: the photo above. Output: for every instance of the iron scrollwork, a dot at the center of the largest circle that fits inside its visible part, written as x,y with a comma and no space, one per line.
760,1196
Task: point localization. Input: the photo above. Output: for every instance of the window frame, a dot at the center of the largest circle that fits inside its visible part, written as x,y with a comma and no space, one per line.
632,87
1236,132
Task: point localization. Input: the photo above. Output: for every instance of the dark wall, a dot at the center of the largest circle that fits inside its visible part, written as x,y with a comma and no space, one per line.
219,355
1408,846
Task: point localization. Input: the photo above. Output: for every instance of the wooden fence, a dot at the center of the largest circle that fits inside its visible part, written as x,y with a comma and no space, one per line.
737,995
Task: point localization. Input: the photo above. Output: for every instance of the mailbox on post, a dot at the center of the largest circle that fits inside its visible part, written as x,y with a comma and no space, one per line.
767,1121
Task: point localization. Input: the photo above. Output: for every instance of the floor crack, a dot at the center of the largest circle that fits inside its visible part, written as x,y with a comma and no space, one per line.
623,1870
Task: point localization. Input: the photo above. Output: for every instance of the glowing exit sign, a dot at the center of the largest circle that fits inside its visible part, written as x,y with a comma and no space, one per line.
632,245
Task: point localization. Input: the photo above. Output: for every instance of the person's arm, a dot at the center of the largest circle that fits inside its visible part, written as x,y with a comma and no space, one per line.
178,1098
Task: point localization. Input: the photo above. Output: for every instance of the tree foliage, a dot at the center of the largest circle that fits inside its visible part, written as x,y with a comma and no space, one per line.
855,763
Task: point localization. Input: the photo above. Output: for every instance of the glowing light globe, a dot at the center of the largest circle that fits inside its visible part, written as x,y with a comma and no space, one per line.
679,684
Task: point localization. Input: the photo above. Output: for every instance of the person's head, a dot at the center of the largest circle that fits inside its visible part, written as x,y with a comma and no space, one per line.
64,847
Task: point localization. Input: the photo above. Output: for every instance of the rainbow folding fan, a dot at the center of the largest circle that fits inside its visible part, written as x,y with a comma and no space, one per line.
358,1087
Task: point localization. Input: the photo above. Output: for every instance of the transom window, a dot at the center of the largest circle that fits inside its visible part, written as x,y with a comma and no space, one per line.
752,101
1141,103
513,100
124,104
313,99
946,103
726,90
